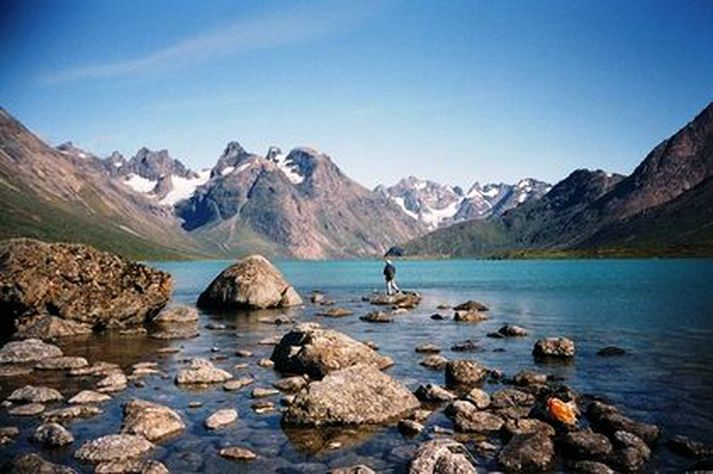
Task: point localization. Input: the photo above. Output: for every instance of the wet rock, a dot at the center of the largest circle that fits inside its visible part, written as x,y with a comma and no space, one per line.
29,350
291,384
114,382
101,369
469,316
608,420
262,406
554,347
468,345
243,353
377,317
471,305
277,320
433,394
399,300
62,363
52,434
509,397
270,341
586,444
360,394
201,371
518,426
237,384
89,396
78,283
151,420
532,452
465,372
32,394
216,326
49,328
438,317
591,467
512,330
632,452
435,361
428,349
30,409
317,298
611,351
420,414
178,314
688,448
62,415
358,469
8,434
252,282
266,363
14,370
468,419
410,427
527,377
175,331
131,466
34,463
479,398
237,453
261,392
113,448
133,332
335,313
221,418
312,350
442,456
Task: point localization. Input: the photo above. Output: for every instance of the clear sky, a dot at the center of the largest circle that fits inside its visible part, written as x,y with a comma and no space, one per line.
454,91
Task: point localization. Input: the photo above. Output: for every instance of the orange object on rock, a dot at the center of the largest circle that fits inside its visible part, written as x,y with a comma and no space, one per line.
563,412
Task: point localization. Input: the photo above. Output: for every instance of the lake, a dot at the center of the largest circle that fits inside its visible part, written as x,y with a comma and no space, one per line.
659,311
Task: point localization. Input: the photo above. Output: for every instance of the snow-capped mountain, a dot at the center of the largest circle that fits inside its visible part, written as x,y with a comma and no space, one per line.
438,205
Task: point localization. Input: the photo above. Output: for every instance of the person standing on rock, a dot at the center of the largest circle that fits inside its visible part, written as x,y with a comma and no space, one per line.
390,277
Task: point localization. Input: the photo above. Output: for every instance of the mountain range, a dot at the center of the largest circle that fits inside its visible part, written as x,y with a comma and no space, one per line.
664,207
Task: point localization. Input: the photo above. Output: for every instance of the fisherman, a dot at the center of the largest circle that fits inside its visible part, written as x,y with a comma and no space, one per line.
390,277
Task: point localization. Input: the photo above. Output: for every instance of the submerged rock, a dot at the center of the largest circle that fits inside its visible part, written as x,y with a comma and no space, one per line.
608,419
611,351
89,396
360,394
252,282
312,350
335,313
202,371
237,453
49,328
52,434
78,283
62,415
29,350
30,409
112,448
221,418
465,372
32,394
129,466
554,347
377,317
512,330
62,363
34,463
151,420
533,452
442,456
178,314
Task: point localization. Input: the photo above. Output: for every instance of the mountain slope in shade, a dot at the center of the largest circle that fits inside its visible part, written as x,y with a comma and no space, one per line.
61,195
301,202
438,205
595,212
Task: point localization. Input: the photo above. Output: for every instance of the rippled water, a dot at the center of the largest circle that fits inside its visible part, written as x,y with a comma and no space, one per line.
660,311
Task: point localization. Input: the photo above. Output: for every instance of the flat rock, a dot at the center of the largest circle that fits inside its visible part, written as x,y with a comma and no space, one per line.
465,372
468,419
377,317
62,415
528,377
291,384
202,371
471,305
360,394
335,313
554,347
532,452
442,456
428,348
52,434
175,331
468,345
252,282
78,283
434,361
49,328
221,418
14,370
151,420
518,426
29,350
509,397
62,363
89,396
608,419
512,330
479,398
399,300
410,427
312,350
586,444
34,464
113,448
469,316
237,384
237,453
261,392
32,394
29,409
178,314
127,466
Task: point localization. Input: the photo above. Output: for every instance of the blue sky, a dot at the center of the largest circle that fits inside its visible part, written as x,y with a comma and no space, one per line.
452,91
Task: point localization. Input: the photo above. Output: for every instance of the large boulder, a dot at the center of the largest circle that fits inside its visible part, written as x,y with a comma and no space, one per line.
252,283
41,281
113,447
554,347
358,395
151,420
530,452
29,350
315,351
442,456
465,372
202,372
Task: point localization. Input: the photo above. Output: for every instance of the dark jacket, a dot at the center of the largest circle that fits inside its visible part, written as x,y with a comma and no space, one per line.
389,271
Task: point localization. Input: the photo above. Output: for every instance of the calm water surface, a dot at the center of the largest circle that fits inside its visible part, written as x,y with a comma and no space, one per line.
660,311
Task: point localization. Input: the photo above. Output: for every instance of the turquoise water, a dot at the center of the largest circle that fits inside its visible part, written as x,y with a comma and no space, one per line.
660,311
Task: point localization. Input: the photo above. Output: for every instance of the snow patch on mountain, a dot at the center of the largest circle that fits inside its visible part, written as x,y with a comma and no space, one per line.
139,183
183,188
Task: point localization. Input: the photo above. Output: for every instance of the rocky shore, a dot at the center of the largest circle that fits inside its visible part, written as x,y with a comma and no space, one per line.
297,374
